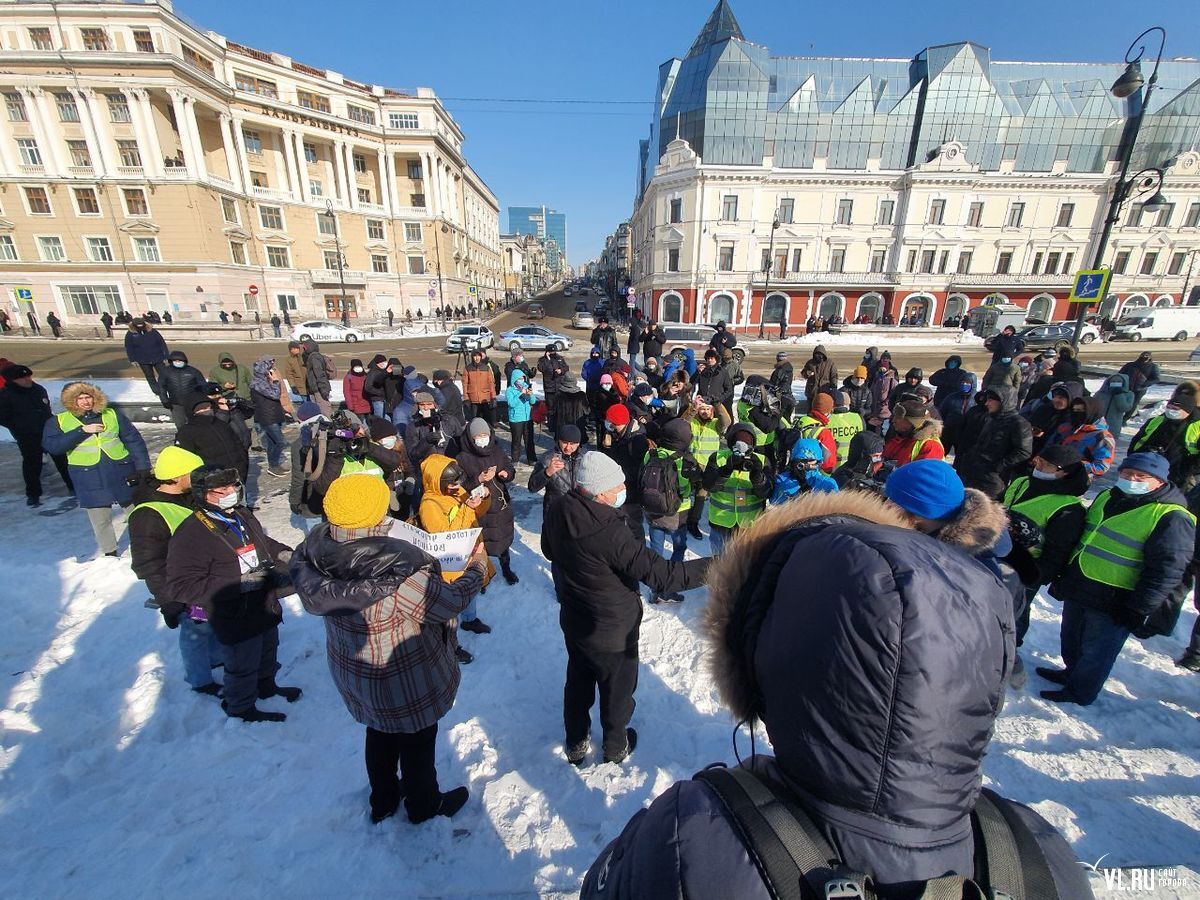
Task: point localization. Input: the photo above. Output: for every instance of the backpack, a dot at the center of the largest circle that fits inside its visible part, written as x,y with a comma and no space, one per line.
659,486
796,862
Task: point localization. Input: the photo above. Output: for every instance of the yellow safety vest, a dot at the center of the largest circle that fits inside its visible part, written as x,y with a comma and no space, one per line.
685,486
1112,547
733,504
1039,510
844,425
173,514
352,466
1191,435
762,439
706,439
87,452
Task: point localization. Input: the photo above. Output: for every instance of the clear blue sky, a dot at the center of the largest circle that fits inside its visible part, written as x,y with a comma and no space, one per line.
581,159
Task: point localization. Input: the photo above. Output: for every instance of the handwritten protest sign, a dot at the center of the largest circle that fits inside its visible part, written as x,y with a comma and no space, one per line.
451,548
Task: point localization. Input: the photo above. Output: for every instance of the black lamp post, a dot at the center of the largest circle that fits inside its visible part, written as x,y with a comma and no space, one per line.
1130,82
762,315
437,249
337,241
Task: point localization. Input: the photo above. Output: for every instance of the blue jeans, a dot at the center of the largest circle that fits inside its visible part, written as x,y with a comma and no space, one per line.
469,614
633,360
200,650
377,408
274,443
658,538
1091,641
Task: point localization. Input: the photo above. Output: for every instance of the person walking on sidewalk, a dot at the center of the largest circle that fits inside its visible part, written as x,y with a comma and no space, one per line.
24,409
145,348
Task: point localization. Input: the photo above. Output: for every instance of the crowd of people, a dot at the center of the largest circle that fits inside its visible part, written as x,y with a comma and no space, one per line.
964,493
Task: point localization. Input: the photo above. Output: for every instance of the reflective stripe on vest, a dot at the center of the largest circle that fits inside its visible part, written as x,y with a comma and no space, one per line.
844,425
734,503
1039,510
108,441
366,467
706,440
173,514
1191,435
1112,548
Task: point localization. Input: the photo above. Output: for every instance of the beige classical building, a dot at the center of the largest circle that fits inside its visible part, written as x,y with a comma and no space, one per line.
147,165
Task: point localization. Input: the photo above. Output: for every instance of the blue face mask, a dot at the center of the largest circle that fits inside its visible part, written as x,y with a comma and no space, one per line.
952,365
964,388
1133,487
620,501
1006,359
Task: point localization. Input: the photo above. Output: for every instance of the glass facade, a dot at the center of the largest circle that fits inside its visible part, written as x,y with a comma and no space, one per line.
542,222
736,104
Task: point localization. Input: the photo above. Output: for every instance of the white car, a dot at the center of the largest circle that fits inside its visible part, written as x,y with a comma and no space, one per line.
536,336
470,337
322,330
583,319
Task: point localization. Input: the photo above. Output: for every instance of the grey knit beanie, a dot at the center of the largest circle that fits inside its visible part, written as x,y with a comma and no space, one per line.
596,473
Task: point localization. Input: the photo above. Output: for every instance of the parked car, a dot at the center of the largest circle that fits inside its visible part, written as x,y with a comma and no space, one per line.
536,336
583,319
1056,335
695,336
470,337
535,311
1170,323
322,330
581,306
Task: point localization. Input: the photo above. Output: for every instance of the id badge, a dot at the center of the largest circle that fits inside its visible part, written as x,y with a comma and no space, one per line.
247,559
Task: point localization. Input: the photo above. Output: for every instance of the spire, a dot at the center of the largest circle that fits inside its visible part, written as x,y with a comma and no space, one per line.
721,25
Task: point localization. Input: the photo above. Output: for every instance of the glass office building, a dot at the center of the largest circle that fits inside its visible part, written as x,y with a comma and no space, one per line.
544,223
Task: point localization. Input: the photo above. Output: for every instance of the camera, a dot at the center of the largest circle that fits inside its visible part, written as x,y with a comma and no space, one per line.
740,449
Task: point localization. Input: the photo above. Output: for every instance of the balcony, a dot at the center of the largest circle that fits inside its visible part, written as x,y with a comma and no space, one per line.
223,182
270,193
131,171
176,172
330,276
412,211
372,208
1013,280
80,171
813,277
27,169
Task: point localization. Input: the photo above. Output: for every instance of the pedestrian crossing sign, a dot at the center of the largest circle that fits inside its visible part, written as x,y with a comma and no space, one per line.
472,289
1090,286
24,293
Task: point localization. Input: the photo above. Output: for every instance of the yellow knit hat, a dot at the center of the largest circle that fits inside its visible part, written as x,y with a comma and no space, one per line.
175,462
357,501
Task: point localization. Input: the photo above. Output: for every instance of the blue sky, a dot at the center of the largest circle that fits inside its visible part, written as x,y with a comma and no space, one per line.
581,158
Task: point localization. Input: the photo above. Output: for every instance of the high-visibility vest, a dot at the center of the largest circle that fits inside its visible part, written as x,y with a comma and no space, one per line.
706,439
845,425
108,441
1112,547
734,503
762,439
173,514
1039,510
351,466
1191,435
685,486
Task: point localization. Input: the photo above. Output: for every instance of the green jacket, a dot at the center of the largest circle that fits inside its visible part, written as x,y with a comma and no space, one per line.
239,375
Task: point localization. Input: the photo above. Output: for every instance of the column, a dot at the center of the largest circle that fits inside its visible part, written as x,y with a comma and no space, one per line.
351,181
299,191
94,133
185,134
147,134
52,147
9,162
385,195
429,182
397,200
239,141
201,170
302,166
230,148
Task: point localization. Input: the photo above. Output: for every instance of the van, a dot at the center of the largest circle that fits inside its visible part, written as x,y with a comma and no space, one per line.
1162,323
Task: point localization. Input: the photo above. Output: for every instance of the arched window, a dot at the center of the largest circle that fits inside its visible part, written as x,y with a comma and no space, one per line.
1108,307
1041,308
775,309
956,305
871,306
670,308
1135,302
1164,300
831,305
918,309
720,308
993,299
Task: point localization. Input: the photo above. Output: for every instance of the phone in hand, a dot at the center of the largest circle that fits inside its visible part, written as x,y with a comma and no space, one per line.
479,492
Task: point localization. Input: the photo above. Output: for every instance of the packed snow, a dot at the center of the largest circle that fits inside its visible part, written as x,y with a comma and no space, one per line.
117,780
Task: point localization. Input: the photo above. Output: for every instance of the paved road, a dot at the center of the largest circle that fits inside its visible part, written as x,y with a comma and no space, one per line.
106,359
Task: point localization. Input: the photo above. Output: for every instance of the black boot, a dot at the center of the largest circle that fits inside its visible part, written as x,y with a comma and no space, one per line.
577,754
254,714
630,746
693,520
510,576
1190,661
268,688
450,803
1058,676
463,656
212,689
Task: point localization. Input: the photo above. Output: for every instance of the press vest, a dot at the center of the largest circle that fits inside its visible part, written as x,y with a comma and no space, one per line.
1039,510
844,425
173,514
706,439
762,439
352,466
1112,548
734,503
108,441
1191,435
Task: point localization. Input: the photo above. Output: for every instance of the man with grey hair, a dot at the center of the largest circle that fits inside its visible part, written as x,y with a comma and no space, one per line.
596,564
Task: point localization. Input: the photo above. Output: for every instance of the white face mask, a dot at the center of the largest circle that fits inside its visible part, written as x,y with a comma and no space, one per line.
482,442
357,370
1172,413
606,387
178,363
1044,476
1133,487
229,501
388,442
620,501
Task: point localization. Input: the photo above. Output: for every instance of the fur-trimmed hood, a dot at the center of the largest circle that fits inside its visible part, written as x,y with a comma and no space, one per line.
978,526
70,394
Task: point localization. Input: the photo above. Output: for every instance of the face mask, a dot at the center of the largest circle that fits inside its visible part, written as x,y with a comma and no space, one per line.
606,387
1006,360
424,413
609,427
856,382
482,442
357,370
178,363
1176,414
388,442
1024,366
951,365
620,501
1114,384
1044,476
229,501
964,389
1133,487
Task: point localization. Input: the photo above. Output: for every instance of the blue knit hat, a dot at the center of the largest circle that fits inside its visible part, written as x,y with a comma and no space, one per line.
1151,463
928,488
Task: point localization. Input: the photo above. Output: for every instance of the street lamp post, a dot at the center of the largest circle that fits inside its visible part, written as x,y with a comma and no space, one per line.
762,315
437,249
1127,85
337,242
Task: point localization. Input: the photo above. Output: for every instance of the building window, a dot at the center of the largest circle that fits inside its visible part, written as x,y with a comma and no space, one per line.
1165,215
416,265
1053,261
1067,263
326,225
1066,212
310,152
1193,216
118,108
845,212
80,158
379,263
92,299
332,258
766,259
253,141
67,110
797,256
271,217
943,261
1016,213
145,249
51,249
675,210
360,163
229,210
1004,262
1037,263
237,252
315,187
197,60
1121,262
39,203
375,230
964,262
1175,266
364,195
277,258
412,232
309,100
403,121
725,258
40,39
837,260
15,104
99,249
131,157
94,38
927,257
251,84
86,202
975,214
937,212
360,114
729,208
878,260
135,202
258,179
417,201
1135,215
414,169
787,209
673,259
8,250
911,266
1148,262
887,210
143,40
30,154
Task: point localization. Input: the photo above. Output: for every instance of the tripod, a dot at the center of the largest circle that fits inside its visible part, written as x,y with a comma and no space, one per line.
463,360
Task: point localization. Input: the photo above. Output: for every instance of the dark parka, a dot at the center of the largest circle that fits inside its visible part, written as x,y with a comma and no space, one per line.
1005,345
1044,419
634,343
212,440
715,382
1060,537
558,485
316,370
954,408
992,446
374,387
24,411
945,380
876,730
823,371
628,450
176,385
145,346
860,396
1169,439
652,342
781,377
497,522
149,541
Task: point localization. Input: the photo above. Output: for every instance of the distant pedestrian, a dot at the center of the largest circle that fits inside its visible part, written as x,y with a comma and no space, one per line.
106,320
5,323
55,324
33,322
224,317
24,409
391,317
275,323
146,348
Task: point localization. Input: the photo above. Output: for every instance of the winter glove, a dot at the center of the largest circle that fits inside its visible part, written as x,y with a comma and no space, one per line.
171,614
407,486
295,508
1024,531
1131,620
656,403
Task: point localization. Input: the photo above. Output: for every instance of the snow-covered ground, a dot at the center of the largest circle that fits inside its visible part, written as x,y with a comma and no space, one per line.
116,780
892,338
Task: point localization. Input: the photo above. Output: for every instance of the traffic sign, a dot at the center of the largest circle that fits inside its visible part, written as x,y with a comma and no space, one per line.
472,289
432,294
24,293
253,290
1091,286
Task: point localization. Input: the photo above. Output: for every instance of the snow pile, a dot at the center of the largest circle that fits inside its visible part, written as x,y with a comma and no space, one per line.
114,774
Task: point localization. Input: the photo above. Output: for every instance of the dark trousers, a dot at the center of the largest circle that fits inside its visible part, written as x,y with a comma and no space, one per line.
31,466
522,436
634,515
1022,615
153,372
551,413
246,663
414,755
485,411
1091,641
616,675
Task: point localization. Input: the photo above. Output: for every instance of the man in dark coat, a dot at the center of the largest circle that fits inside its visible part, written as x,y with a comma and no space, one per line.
821,373
178,384
946,380
1142,373
995,440
24,409
146,348
106,320
1005,345
604,337
1175,433
212,440
954,408
845,630
628,446
517,363
375,385
555,471
781,375
723,338
652,341
317,372
1047,413
634,345
596,564
485,463
713,380
452,400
